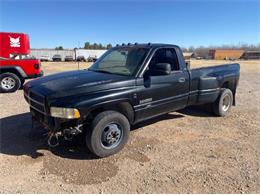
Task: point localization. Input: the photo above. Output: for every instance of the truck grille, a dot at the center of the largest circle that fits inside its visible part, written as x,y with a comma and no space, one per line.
36,101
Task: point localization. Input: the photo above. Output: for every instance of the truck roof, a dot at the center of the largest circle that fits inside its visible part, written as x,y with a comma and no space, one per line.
147,45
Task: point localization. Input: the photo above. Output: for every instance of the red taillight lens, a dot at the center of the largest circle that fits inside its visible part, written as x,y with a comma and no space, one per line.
36,66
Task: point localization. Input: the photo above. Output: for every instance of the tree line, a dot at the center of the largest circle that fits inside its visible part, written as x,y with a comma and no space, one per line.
89,45
198,51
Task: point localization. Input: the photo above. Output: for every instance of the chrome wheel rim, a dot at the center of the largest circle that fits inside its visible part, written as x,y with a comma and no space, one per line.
226,103
8,83
111,136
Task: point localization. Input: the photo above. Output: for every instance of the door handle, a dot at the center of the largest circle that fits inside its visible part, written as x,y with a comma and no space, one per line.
181,80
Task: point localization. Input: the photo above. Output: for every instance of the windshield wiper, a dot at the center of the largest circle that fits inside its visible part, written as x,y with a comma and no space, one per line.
103,71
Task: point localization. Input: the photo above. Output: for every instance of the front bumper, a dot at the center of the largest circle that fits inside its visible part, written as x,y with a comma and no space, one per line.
40,112
32,76
52,123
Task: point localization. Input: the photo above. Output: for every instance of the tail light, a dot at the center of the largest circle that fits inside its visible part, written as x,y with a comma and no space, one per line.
36,66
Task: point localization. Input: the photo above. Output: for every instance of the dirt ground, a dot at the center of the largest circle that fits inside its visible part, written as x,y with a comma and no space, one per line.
190,151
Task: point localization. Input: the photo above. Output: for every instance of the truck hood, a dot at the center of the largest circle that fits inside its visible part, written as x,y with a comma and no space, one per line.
74,82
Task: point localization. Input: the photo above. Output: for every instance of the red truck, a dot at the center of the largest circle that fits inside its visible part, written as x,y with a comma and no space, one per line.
15,66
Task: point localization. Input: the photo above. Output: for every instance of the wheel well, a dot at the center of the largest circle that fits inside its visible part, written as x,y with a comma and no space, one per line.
229,85
11,70
124,108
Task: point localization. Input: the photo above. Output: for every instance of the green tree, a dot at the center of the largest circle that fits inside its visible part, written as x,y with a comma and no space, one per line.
109,46
59,48
95,46
87,45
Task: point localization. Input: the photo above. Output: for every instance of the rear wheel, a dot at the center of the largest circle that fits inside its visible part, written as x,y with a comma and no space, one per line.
108,134
223,104
9,82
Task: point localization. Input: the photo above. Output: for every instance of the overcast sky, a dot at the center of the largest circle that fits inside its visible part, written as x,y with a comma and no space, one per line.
69,23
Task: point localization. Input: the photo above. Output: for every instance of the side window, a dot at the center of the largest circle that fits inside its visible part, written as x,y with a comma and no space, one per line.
171,56
166,55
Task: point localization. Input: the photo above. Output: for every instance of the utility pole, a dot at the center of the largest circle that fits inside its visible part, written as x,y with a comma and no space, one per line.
75,53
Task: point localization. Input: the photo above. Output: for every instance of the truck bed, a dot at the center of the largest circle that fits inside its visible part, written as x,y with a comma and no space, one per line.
206,82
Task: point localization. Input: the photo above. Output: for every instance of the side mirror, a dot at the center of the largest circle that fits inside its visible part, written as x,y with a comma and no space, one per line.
187,64
161,69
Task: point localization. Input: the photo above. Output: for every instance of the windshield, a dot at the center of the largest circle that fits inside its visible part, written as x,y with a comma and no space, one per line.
122,61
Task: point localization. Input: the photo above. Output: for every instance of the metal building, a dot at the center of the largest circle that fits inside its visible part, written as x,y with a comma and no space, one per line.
251,55
188,55
225,54
51,52
89,52
37,53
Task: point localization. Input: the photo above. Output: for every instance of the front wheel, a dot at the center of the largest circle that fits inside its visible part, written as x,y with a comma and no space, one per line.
9,82
223,104
108,134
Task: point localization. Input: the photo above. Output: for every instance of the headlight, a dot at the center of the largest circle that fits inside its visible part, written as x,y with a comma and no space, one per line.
69,113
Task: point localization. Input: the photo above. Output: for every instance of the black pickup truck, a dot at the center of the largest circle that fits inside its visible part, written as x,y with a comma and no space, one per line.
128,84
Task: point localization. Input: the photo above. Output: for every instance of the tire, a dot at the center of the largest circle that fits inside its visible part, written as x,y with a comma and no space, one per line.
223,104
9,82
108,134
22,82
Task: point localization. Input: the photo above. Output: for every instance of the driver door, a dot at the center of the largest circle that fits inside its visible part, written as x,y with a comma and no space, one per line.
158,94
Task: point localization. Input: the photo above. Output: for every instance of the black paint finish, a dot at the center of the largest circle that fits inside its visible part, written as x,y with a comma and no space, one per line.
144,96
